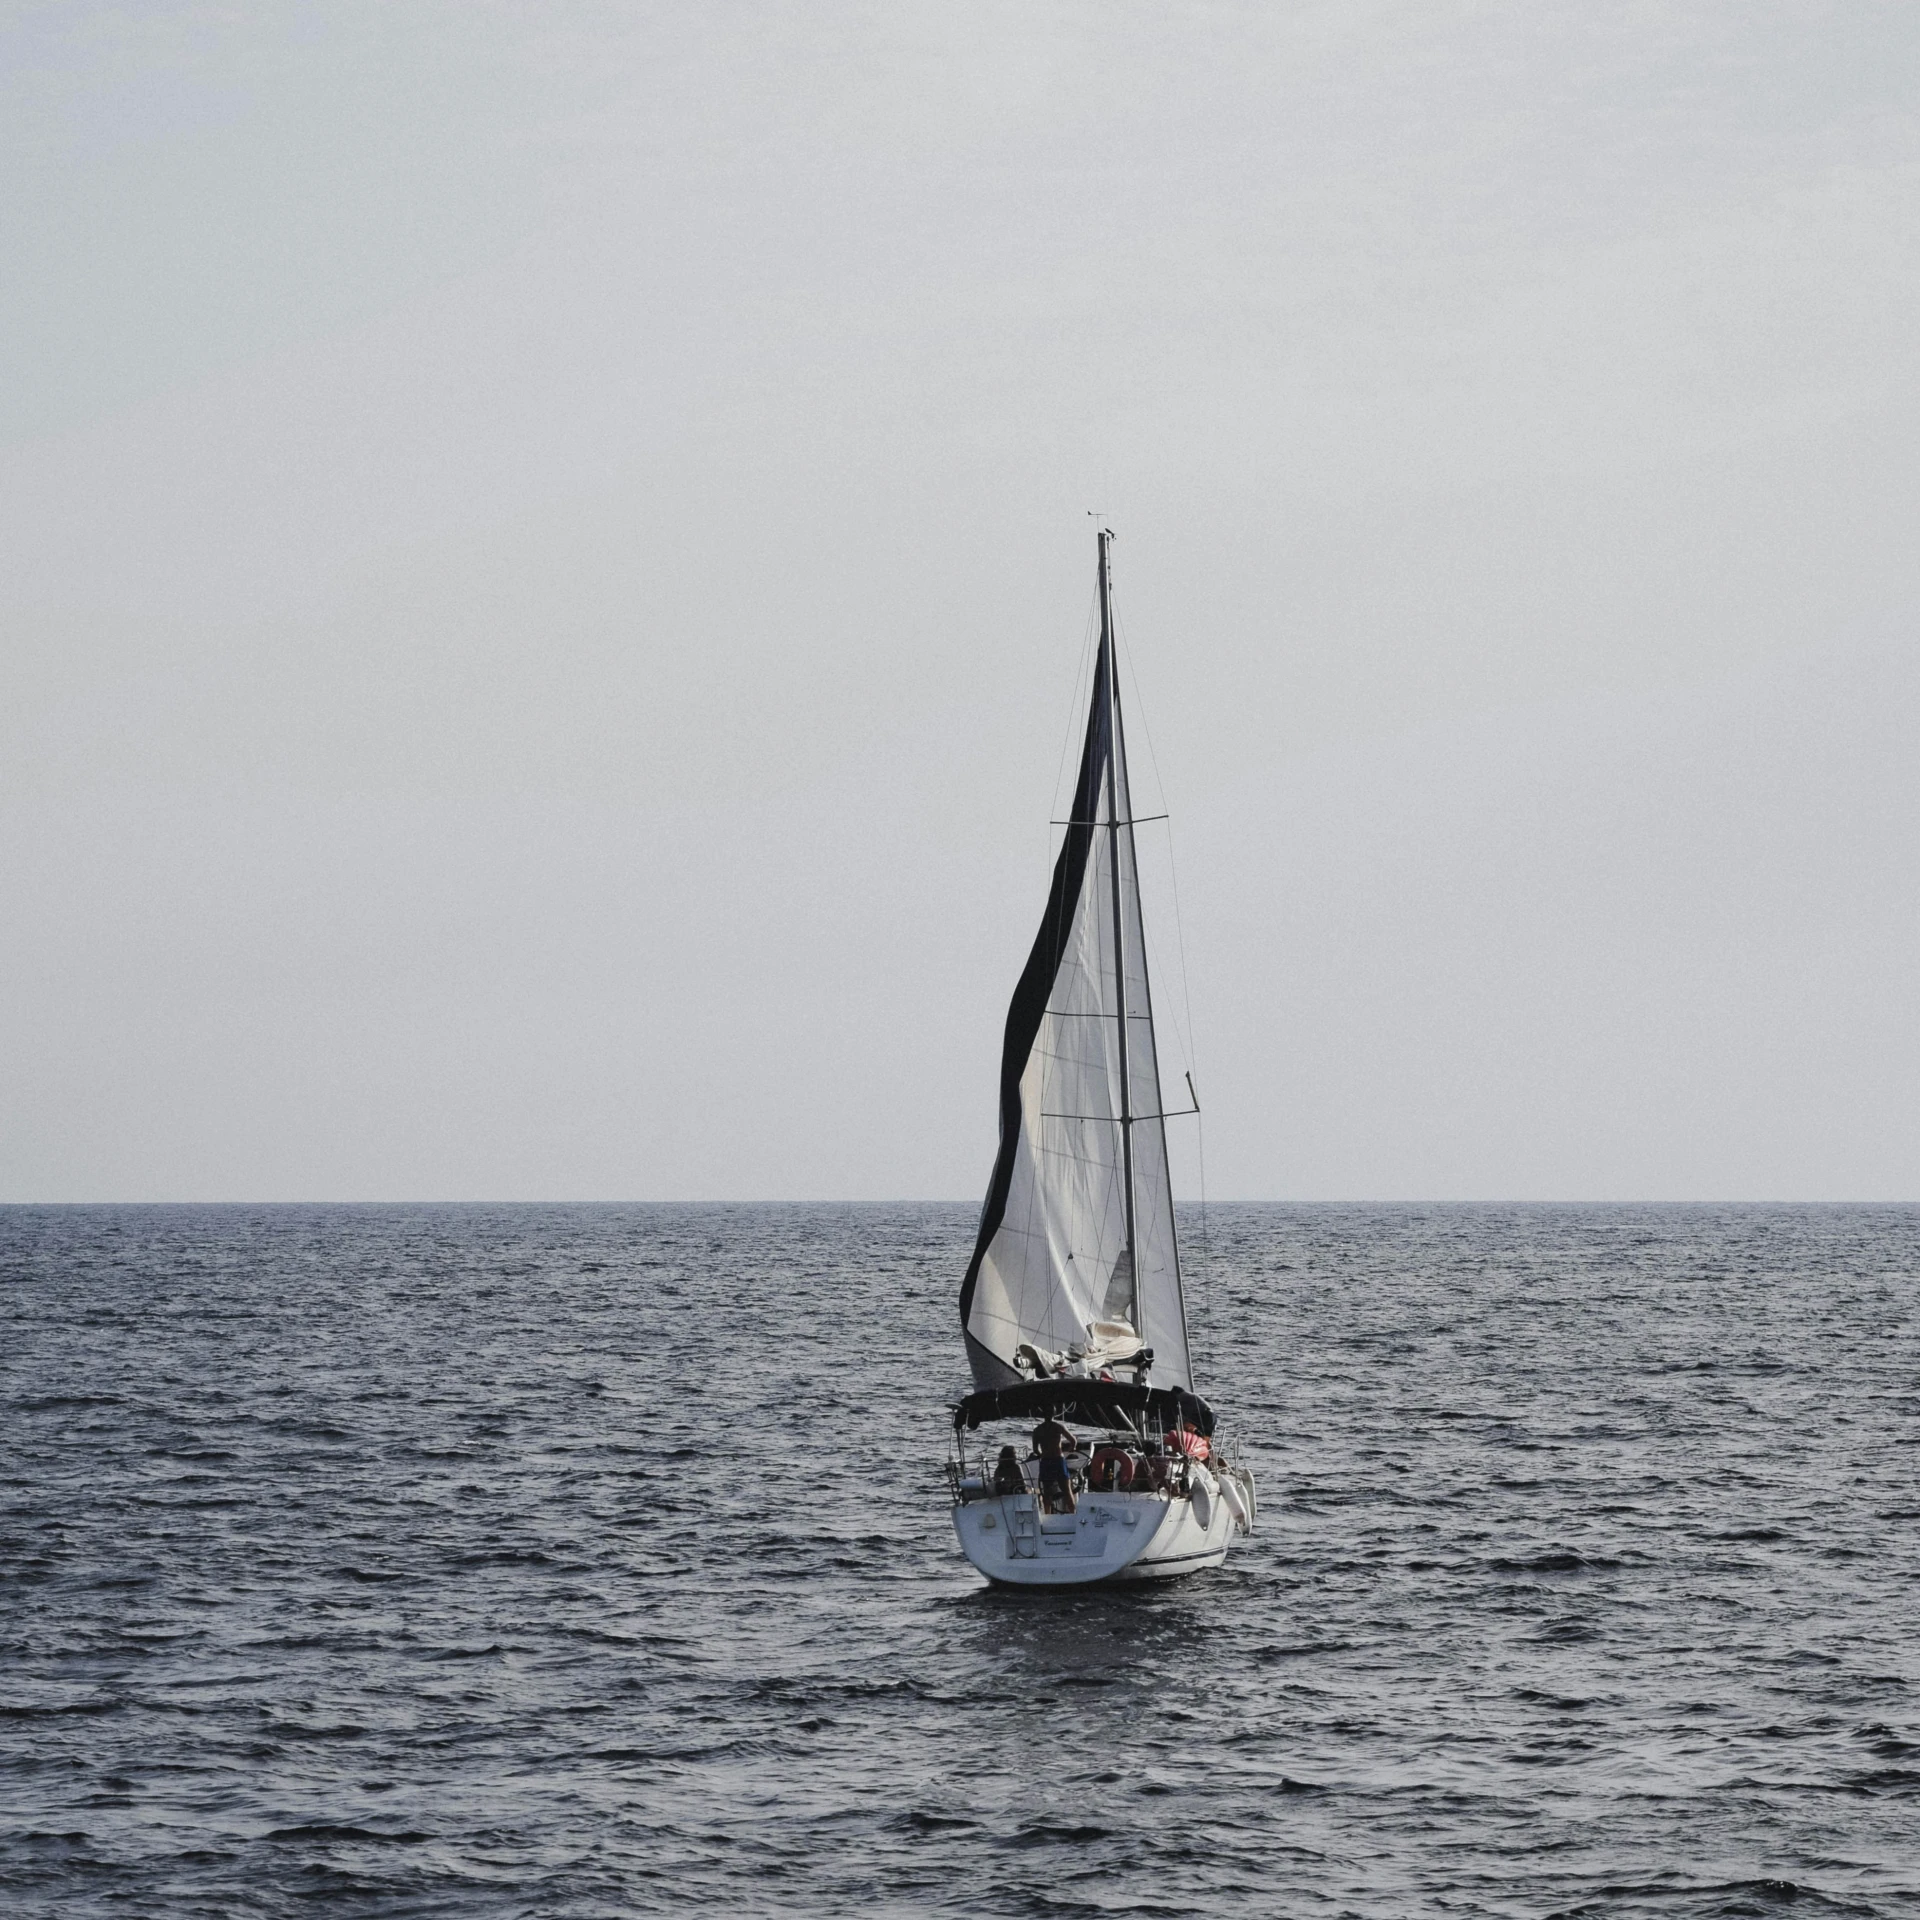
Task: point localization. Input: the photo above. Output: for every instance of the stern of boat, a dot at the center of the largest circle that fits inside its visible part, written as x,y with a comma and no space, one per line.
1012,1539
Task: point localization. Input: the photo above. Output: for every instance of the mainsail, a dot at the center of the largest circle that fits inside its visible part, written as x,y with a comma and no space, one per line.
1076,1249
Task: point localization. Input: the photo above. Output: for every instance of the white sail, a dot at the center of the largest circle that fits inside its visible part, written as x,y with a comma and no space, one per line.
1076,1249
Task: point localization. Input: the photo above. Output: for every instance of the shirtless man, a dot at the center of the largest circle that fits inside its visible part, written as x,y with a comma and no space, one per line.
1051,1442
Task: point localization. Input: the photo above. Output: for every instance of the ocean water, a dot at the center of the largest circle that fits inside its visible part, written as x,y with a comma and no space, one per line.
570,1561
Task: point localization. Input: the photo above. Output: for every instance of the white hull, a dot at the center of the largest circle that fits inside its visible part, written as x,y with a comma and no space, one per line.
1111,1536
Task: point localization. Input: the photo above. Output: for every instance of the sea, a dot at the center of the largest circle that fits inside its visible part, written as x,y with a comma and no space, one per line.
595,1561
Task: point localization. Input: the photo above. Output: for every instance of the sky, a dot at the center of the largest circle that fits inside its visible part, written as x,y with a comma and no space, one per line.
545,559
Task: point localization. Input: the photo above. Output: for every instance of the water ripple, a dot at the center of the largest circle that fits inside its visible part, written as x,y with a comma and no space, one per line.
588,1560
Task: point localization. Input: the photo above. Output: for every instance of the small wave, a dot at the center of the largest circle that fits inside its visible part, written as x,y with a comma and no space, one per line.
362,1836
919,1820
1567,1633
1048,1833
1895,1780
1888,1744
59,1710
1561,1560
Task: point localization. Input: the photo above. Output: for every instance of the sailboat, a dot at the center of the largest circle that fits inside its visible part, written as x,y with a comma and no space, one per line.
1083,1453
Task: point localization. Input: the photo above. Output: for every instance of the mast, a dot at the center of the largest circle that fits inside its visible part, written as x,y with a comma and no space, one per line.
1119,945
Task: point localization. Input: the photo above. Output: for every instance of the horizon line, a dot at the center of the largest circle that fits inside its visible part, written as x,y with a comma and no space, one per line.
1352,1201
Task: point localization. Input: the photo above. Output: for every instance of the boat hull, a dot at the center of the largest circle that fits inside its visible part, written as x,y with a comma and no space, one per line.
1110,1537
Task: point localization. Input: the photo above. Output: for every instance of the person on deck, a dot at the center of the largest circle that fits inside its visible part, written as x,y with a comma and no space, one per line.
1051,1443
1007,1477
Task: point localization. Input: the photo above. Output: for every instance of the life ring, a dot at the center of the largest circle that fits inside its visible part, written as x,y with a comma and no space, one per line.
1110,1471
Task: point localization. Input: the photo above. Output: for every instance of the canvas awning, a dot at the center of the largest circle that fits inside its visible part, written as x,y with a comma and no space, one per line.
1094,1403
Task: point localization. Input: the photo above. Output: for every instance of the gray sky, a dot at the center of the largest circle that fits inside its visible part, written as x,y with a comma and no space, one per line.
546,562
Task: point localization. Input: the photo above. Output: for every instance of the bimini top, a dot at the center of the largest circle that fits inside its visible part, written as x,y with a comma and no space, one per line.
1096,1403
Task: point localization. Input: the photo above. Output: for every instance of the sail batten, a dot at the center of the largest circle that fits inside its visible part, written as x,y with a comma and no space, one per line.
1077,1243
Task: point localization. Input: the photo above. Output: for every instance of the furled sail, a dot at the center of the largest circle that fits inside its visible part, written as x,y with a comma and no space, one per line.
1076,1248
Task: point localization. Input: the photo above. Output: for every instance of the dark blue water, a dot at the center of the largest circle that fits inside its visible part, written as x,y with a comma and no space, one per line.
593,1561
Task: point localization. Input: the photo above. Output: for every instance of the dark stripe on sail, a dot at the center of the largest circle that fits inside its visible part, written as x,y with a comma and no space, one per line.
1029,1007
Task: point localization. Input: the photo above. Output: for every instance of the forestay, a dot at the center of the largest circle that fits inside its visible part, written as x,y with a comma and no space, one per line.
1076,1248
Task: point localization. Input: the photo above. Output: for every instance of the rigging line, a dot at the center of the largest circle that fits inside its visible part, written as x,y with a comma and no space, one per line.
1204,1291
1204,1277
1138,820
1186,1036
1179,922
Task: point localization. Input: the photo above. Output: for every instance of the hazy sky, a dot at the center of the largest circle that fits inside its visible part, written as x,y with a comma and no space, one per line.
546,561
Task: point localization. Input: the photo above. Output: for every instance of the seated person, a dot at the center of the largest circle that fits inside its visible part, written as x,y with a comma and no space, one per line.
1051,1444
1007,1477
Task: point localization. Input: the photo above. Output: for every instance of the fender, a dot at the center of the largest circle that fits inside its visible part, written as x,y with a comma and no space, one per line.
1201,1488
1236,1501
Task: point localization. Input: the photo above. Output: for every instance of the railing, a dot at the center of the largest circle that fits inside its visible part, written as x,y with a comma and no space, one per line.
973,1479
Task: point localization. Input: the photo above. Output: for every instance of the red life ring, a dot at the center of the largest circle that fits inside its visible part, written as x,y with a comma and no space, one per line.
1110,1472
